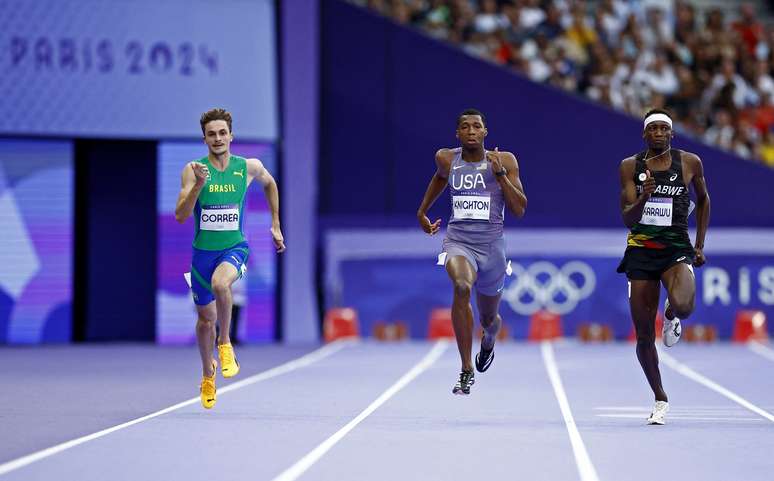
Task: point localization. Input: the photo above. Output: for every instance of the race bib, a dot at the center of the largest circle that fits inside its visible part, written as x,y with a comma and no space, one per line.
219,217
474,207
657,211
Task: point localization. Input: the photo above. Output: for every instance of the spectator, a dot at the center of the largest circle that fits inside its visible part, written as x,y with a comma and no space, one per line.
722,132
579,32
515,32
551,26
685,22
657,32
742,94
489,20
766,149
715,75
538,65
763,81
659,77
532,15
750,30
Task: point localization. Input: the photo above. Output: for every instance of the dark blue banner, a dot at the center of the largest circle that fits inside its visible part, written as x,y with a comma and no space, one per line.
397,279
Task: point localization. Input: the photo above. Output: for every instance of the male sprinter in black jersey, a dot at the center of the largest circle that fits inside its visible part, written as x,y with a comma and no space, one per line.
655,205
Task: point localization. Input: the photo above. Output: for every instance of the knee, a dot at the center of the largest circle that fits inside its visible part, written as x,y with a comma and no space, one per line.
220,288
646,337
487,319
682,307
204,322
462,289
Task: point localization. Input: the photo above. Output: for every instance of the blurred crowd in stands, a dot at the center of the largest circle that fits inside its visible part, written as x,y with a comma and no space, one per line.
711,69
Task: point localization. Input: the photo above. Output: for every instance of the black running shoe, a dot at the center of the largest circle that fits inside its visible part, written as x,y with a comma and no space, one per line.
462,387
484,358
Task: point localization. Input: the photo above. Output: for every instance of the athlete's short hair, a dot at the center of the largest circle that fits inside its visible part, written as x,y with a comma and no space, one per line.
215,114
657,111
470,112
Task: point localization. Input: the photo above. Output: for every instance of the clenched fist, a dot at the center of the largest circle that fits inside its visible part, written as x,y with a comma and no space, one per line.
201,172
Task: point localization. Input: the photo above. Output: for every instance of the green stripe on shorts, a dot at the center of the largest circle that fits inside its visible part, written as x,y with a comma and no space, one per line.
200,279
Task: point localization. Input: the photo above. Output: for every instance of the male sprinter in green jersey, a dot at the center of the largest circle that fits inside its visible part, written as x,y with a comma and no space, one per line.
214,189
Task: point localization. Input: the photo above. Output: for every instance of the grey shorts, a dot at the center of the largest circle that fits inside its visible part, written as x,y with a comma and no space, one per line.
487,259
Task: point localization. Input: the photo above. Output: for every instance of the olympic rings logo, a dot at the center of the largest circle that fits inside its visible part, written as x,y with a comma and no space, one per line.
544,286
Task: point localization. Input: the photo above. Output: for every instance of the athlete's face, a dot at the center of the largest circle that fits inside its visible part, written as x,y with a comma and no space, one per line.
217,136
658,135
471,131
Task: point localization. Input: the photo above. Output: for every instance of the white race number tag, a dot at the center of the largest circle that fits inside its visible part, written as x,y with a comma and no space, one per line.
657,211
474,207
219,218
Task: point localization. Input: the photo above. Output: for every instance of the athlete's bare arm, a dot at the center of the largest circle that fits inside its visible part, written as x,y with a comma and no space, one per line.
193,178
443,159
510,183
696,179
632,205
256,170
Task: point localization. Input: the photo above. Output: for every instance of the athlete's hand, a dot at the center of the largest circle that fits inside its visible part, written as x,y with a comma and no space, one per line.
431,228
201,172
279,240
648,185
699,258
494,159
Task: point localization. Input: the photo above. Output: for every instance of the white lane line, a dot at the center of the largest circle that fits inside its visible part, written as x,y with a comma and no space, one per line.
695,376
582,459
303,464
720,410
303,361
644,416
761,350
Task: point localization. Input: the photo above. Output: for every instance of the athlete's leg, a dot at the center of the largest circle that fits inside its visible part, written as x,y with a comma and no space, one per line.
490,322
463,276
643,301
680,285
225,275
205,336
489,316
491,280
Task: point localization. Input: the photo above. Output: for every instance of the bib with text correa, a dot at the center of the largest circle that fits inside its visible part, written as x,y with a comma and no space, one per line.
219,217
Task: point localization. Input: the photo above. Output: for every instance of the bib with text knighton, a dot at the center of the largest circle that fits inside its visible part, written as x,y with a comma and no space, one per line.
474,207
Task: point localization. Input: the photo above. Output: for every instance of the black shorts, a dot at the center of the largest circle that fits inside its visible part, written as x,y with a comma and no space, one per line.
644,264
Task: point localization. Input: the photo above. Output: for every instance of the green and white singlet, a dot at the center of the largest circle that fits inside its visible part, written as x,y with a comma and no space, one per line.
220,206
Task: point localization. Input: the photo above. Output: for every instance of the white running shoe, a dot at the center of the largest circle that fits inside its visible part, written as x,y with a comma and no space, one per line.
658,416
670,335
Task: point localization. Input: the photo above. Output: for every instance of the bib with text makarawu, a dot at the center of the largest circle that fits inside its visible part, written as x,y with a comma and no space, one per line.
657,211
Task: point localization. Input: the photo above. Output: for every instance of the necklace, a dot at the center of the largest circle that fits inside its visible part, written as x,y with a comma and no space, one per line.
646,159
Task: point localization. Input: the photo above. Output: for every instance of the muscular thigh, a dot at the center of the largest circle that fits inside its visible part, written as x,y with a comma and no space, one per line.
644,292
207,311
680,276
643,301
225,274
460,268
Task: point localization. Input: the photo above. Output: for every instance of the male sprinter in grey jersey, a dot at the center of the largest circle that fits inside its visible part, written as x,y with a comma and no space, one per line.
481,182
655,205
